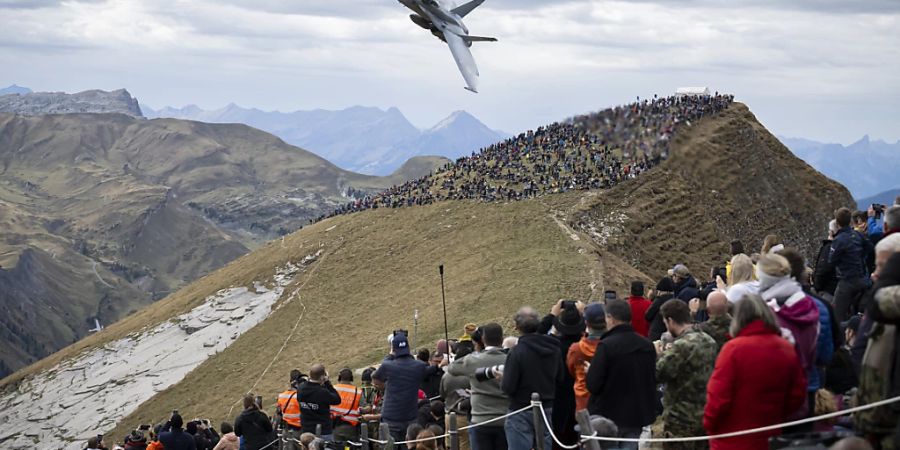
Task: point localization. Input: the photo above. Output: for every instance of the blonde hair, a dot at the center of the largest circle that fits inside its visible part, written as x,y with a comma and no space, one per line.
741,269
774,265
769,242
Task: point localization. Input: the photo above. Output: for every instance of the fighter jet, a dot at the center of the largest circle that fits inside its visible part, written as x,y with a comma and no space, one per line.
447,25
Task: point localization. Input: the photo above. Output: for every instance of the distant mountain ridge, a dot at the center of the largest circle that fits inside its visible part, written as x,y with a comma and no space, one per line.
93,101
866,167
360,139
15,89
887,198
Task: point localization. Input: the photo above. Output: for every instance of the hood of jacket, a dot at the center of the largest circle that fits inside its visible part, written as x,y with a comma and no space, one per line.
588,346
540,344
800,313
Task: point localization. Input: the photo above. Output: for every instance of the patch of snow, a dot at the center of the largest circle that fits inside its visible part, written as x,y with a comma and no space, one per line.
93,391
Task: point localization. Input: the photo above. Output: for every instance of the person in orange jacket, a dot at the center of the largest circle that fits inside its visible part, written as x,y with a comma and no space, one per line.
581,352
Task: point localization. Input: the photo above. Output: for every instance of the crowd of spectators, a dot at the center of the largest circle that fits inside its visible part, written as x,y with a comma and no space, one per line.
684,359
592,151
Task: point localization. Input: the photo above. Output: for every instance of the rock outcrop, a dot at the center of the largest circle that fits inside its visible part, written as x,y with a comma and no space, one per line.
93,101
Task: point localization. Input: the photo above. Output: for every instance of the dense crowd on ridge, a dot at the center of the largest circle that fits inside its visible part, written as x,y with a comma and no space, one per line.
763,340
592,151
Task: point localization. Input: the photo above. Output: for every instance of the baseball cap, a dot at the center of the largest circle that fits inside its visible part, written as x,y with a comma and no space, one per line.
594,313
400,345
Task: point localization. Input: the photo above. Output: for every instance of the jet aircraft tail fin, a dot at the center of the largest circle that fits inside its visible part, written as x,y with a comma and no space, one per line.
466,8
471,39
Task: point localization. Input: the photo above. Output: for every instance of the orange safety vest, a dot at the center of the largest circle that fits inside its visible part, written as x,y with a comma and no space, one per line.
289,407
348,410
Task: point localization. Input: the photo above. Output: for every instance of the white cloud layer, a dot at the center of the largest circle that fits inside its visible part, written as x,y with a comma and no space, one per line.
825,70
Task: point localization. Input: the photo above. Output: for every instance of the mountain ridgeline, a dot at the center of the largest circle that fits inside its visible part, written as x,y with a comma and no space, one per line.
352,278
360,139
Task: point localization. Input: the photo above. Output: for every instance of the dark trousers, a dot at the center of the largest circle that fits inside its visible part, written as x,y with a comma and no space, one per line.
847,295
490,438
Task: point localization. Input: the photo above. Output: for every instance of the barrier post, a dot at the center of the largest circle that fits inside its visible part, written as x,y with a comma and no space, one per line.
453,431
384,434
364,435
584,422
538,421
319,430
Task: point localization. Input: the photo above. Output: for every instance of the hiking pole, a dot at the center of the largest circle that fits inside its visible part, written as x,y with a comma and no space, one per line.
444,301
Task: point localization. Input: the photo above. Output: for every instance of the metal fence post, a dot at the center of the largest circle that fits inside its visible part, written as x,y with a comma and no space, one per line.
454,432
538,421
584,422
319,430
364,435
384,434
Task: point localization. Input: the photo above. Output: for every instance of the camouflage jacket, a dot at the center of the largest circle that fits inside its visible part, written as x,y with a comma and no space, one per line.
684,370
717,328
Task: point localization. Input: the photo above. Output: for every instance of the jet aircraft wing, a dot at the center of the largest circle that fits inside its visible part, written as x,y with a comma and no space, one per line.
464,60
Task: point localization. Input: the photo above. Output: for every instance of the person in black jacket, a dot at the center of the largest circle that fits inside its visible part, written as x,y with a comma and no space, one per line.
316,398
176,438
622,375
824,276
253,425
849,252
686,287
533,366
665,291
200,440
566,323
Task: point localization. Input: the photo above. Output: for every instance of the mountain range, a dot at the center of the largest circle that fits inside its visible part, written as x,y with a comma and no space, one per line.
867,167
360,139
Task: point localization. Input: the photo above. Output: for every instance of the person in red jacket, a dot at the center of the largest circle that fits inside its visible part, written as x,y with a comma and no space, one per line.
639,306
758,380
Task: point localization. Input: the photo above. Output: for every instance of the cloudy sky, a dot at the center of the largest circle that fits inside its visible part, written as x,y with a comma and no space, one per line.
827,70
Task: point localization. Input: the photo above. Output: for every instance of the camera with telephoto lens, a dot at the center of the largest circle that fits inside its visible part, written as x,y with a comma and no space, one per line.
566,304
488,373
401,331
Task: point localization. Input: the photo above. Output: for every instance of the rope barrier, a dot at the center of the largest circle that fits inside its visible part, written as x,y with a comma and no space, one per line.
750,431
550,428
495,419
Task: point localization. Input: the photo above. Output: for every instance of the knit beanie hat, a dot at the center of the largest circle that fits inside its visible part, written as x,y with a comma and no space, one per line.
771,269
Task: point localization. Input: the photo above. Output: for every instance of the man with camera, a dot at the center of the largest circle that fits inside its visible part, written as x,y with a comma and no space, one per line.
684,367
176,438
288,411
534,365
317,396
400,375
488,400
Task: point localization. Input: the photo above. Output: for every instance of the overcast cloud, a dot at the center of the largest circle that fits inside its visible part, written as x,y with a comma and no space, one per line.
827,70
